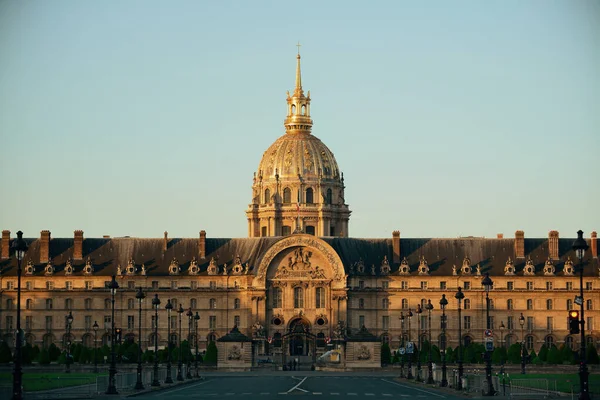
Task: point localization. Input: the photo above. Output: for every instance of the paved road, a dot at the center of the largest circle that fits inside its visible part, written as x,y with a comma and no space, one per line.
299,387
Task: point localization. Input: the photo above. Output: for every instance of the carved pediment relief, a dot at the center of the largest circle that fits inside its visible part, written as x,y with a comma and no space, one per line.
212,267
363,353
529,268
193,269
549,268
299,265
404,267
509,267
235,353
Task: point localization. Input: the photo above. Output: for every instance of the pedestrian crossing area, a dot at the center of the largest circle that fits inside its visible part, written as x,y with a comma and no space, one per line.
325,394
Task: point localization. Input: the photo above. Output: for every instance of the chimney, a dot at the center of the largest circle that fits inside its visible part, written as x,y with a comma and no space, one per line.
6,244
553,245
44,246
593,244
166,241
519,244
78,245
202,244
500,236
396,246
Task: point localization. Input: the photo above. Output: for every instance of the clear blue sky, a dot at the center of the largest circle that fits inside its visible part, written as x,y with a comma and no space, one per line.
448,118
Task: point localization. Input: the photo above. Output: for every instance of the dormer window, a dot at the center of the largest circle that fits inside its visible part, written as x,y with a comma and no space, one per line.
193,269
174,267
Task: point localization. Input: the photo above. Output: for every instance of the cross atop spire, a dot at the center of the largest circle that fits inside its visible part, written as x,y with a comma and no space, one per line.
298,46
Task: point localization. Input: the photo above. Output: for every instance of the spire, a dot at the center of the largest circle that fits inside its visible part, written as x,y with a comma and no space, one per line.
298,115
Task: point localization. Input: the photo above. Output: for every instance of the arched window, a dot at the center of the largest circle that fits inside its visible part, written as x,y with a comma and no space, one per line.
320,339
277,297
510,339
87,304
329,197
293,109
267,196
569,342
467,304
361,303
385,303
303,109
549,304
236,304
529,342
174,303
529,304
48,304
212,304
404,304
194,303
320,297
29,304
589,305
509,304
569,304
549,341
130,304
68,304
309,196
287,195
298,297
277,339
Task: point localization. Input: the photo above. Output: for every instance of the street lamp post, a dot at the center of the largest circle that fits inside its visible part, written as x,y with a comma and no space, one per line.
68,343
429,307
459,296
19,246
95,327
488,284
409,374
196,319
402,344
443,304
155,304
419,310
502,343
140,296
112,371
522,323
580,246
190,315
169,307
179,362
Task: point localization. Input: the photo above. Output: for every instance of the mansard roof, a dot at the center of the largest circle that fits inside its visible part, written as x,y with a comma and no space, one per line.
441,254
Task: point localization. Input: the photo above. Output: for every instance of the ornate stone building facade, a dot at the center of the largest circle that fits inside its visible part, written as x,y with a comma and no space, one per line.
298,281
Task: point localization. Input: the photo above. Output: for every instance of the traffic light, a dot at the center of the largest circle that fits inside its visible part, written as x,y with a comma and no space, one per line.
573,322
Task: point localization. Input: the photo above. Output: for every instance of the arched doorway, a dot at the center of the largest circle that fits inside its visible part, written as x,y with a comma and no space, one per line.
298,343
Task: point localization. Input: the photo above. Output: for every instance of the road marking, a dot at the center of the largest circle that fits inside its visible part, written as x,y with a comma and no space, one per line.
229,394
386,394
334,394
413,388
351,394
246,393
369,394
299,383
161,393
317,393
265,393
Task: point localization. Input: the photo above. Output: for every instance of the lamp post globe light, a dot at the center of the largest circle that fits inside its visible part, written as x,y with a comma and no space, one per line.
409,374
19,247
402,344
429,307
68,343
196,319
580,246
190,315
459,296
169,307
522,323
502,327
488,284
179,361
112,370
95,328
419,310
155,304
140,296
443,304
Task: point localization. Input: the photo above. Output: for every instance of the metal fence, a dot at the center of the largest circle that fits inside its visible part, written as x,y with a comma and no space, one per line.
532,388
125,382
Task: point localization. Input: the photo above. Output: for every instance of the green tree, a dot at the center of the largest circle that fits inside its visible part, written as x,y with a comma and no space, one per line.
35,353
148,356
76,351
592,355
450,355
498,355
27,354
53,352
5,354
514,353
543,354
554,356
211,354
386,354
62,359
44,357
84,355
567,355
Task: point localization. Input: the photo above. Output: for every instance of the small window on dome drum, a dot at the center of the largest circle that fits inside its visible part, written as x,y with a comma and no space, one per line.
267,196
309,196
287,196
286,230
310,230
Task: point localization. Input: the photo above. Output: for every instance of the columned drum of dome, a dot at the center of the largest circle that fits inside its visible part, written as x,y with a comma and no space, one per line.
298,187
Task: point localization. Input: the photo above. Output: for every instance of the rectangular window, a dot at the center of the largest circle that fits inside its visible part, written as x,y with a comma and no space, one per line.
361,284
28,323
549,323
361,321
467,322
424,285
89,285
153,321
49,285
131,285
491,322
529,285
529,304
588,286
10,285
320,297
212,322
590,324
263,231
385,285
48,323
423,322
385,322
173,321
236,320
69,285
193,285
569,286
88,322
173,284
443,285
286,230
213,284
29,285
510,325
467,285
404,285
9,323
107,325
529,323
277,297
130,322
154,284
548,285
48,304
510,285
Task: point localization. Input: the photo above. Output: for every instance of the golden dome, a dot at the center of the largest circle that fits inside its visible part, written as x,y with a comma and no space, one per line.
298,153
